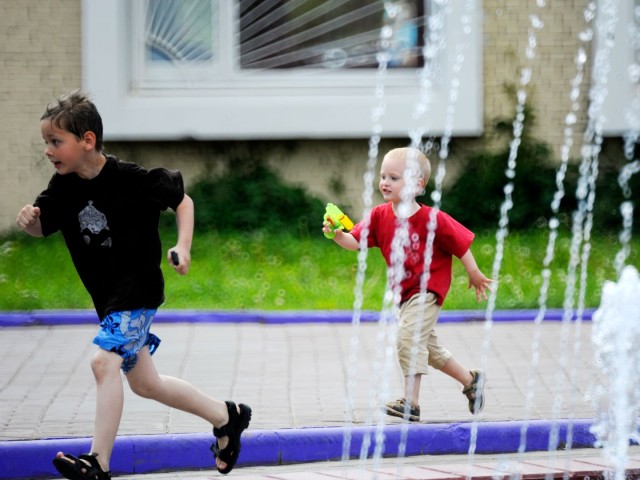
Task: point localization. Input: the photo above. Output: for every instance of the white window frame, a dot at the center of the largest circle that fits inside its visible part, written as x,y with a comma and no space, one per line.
272,105
622,93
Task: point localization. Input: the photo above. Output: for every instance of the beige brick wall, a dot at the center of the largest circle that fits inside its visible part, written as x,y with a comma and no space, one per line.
40,57
506,30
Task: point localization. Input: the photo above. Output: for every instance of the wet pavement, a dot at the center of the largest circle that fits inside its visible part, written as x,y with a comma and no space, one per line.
301,377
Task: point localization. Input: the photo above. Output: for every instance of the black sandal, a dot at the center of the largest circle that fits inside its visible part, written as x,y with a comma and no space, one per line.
77,469
233,429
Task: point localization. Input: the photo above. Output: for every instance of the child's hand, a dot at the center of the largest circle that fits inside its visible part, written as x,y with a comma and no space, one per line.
342,238
28,216
481,284
327,228
182,256
29,220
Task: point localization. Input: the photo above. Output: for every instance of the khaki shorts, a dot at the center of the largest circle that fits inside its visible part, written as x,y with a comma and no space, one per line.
420,312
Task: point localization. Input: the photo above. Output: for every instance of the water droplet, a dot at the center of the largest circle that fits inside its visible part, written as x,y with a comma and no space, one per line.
626,208
634,73
335,58
536,22
386,32
383,57
586,35
522,95
581,58
590,12
574,95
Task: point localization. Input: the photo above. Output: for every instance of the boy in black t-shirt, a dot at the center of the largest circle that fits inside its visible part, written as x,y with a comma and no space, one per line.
108,211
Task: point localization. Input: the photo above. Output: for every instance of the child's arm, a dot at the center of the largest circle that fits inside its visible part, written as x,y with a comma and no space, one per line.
342,238
184,220
29,220
477,279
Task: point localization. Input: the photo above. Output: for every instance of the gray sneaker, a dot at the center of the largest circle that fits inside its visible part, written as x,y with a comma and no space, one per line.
475,391
397,409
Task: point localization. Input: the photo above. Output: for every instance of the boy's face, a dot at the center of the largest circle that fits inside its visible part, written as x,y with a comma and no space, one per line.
392,181
63,148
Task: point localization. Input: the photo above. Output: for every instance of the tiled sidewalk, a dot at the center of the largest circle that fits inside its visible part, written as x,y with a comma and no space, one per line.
297,376
292,375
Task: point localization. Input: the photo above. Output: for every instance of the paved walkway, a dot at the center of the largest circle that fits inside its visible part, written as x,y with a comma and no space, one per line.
297,376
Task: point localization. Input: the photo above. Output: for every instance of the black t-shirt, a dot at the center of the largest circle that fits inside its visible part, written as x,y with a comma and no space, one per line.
110,226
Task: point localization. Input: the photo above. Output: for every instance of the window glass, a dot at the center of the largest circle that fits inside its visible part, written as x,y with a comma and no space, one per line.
179,31
329,33
616,59
635,39
283,34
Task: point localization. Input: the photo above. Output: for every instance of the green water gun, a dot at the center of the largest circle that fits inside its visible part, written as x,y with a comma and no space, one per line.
337,220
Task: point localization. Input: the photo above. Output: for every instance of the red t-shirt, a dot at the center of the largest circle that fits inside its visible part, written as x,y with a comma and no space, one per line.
451,238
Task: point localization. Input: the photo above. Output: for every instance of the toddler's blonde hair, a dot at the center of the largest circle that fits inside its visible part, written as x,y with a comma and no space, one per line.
413,157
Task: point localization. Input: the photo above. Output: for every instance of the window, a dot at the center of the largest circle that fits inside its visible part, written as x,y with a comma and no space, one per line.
214,69
328,34
175,44
621,106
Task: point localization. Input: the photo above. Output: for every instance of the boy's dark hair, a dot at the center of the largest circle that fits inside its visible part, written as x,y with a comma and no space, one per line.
75,113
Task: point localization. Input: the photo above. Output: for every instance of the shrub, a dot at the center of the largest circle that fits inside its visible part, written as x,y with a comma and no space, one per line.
477,195
250,196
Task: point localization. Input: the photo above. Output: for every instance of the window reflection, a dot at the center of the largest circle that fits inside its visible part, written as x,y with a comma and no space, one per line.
276,34
179,30
290,34
635,39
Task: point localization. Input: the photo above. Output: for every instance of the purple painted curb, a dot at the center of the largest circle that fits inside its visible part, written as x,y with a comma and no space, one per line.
84,317
137,454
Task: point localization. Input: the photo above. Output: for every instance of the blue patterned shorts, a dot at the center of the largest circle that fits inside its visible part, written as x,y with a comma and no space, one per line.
126,333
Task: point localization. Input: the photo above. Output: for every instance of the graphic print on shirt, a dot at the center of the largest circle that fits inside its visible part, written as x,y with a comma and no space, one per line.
93,226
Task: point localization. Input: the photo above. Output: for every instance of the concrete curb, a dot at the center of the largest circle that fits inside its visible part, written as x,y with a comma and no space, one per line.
138,454
82,317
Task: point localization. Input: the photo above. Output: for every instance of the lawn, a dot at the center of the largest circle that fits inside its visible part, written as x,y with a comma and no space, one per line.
260,271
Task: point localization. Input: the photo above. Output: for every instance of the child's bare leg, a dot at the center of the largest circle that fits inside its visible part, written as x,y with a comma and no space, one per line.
109,402
176,393
457,371
472,381
412,389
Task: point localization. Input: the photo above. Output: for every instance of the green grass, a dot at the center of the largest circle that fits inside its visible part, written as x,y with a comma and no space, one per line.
267,272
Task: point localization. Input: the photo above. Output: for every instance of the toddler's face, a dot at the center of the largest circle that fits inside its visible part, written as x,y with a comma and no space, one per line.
392,179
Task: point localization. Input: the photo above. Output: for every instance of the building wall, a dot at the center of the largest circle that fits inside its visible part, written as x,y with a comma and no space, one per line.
506,34
40,57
